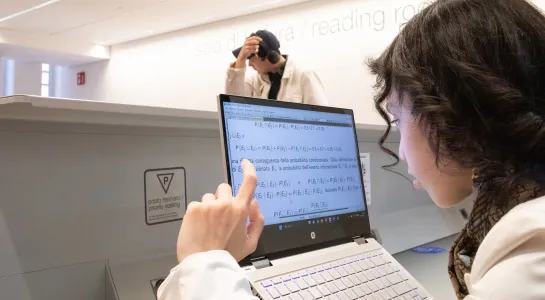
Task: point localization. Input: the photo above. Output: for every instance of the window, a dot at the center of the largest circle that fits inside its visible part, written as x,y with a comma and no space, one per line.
45,79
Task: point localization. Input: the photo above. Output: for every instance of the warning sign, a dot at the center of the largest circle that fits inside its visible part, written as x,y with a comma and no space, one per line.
165,195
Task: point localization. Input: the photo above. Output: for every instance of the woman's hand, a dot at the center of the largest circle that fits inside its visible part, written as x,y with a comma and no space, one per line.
219,222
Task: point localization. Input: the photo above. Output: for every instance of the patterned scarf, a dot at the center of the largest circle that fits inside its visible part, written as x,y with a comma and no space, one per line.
483,216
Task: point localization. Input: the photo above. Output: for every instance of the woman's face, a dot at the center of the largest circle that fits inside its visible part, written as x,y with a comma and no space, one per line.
447,185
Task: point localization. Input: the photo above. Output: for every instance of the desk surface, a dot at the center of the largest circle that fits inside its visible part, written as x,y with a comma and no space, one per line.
430,269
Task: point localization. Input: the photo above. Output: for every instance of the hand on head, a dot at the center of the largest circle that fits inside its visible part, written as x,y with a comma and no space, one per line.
219,221
251,46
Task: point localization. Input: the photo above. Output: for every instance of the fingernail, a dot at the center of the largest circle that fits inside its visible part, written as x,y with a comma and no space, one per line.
246,166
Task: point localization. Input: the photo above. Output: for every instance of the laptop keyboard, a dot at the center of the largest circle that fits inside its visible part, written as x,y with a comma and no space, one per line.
371,276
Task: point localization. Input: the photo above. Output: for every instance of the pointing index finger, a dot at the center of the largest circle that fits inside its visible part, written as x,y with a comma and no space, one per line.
249,183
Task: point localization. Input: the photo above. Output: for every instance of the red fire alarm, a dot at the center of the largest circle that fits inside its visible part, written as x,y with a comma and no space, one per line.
81,78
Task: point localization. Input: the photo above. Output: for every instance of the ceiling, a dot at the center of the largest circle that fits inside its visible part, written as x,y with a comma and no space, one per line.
109,22
75,32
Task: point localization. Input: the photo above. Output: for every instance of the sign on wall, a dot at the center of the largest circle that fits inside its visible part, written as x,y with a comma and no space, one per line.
81,78
165,194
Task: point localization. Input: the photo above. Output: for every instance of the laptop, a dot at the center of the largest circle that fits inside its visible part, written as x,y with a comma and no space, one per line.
317,241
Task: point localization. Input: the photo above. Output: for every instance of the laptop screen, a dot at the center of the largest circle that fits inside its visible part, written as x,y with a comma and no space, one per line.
310,187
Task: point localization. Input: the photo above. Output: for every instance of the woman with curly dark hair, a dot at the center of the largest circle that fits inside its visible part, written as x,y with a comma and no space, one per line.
464,82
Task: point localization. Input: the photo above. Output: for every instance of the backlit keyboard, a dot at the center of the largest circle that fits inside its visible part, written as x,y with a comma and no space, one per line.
371,276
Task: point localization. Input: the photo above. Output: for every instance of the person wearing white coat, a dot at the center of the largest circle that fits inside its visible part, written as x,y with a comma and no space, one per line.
278,76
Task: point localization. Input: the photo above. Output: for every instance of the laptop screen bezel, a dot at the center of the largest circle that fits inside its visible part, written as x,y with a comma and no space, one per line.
349,228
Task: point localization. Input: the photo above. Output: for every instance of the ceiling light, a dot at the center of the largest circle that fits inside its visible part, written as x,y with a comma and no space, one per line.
28,10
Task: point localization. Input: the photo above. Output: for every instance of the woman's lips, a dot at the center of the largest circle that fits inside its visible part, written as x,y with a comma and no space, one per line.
416,184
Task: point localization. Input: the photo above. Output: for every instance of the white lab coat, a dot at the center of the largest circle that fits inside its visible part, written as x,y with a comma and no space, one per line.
297,85
213,275
510,264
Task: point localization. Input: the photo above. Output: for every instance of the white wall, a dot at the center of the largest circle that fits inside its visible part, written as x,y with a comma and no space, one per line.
7,76
58,83
95,76
187,68
27,78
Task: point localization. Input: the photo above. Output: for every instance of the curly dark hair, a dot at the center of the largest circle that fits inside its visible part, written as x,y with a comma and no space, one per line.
474,73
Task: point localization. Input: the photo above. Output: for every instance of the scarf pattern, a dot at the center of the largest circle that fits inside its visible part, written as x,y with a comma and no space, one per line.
483,217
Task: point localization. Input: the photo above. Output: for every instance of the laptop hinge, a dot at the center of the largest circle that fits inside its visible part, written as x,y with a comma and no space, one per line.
261,262
359,240
362,240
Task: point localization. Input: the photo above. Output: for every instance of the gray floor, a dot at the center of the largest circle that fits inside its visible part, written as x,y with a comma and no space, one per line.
430,269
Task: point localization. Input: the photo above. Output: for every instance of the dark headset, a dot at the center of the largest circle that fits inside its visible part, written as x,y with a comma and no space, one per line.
273,56
265,52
